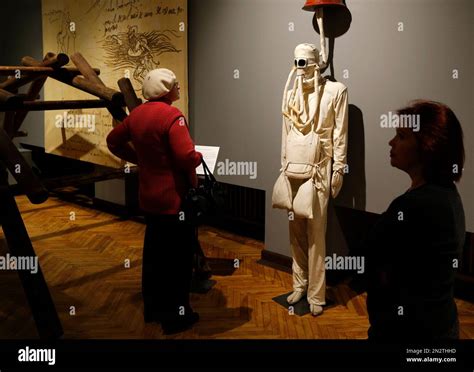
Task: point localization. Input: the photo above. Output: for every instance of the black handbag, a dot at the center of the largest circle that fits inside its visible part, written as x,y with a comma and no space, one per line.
205,200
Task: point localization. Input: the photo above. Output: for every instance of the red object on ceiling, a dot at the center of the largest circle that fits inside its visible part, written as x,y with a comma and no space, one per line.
337,17
311,5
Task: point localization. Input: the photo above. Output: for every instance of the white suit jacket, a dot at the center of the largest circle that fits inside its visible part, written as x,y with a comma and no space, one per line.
332,124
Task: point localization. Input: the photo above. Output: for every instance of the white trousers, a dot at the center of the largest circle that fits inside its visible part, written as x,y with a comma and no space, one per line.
308,243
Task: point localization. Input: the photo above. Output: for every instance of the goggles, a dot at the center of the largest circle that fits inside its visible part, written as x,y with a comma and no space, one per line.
303,63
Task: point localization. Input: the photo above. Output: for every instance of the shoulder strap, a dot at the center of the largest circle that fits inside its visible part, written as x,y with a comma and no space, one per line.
209,177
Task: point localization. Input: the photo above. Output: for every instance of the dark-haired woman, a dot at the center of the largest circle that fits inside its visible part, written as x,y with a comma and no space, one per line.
414,248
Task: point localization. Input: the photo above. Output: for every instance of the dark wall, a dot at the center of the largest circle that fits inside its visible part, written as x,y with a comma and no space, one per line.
22,35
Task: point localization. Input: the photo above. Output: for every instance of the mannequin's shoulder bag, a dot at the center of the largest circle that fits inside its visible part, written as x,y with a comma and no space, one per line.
302,155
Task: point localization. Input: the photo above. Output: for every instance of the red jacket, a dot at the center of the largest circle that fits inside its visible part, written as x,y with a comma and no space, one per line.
164,152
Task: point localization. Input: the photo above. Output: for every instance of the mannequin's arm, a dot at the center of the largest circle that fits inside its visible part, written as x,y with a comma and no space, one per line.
340,141
284,133
339,136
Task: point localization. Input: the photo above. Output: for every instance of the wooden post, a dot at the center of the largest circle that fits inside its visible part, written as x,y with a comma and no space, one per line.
131,99
19,244
20,170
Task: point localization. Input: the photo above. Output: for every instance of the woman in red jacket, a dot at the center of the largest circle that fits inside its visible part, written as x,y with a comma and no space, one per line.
167,161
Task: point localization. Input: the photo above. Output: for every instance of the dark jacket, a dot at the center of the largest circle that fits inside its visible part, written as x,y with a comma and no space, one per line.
412,255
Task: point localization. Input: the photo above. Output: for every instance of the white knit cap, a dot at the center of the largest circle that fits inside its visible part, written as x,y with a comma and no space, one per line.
158,83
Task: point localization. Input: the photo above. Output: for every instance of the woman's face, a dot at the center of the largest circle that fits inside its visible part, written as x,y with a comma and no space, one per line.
404,153
174,94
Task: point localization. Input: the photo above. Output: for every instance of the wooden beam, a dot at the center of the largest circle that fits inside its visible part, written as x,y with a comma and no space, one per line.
20,134
63,76
131,99
31,70
10,98
20,170
87,71
33,92
19,244
101,91
115,109
50,60
36,70
11,84
56,105
8,123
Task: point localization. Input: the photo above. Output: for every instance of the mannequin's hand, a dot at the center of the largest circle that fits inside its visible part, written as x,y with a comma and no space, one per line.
336,184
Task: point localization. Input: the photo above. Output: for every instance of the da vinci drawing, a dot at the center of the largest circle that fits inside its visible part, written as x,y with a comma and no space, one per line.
123,38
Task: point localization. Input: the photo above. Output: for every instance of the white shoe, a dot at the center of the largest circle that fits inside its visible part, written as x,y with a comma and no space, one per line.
295,297
316,309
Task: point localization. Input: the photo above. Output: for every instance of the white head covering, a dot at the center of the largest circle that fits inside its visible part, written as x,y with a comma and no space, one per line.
294,107
307,51
158,83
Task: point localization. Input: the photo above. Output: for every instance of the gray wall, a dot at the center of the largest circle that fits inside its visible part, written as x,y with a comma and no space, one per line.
386,68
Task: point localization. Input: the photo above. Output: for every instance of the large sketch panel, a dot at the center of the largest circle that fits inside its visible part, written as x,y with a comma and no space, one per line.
123,38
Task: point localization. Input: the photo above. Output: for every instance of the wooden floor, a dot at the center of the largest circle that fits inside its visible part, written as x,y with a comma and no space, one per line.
83,262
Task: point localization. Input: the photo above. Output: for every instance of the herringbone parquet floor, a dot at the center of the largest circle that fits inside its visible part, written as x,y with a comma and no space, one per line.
84,262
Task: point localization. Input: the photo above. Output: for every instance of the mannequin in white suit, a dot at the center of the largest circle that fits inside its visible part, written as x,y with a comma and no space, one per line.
320,106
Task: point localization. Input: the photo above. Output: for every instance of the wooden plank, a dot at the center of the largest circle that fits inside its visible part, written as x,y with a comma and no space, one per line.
131,99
